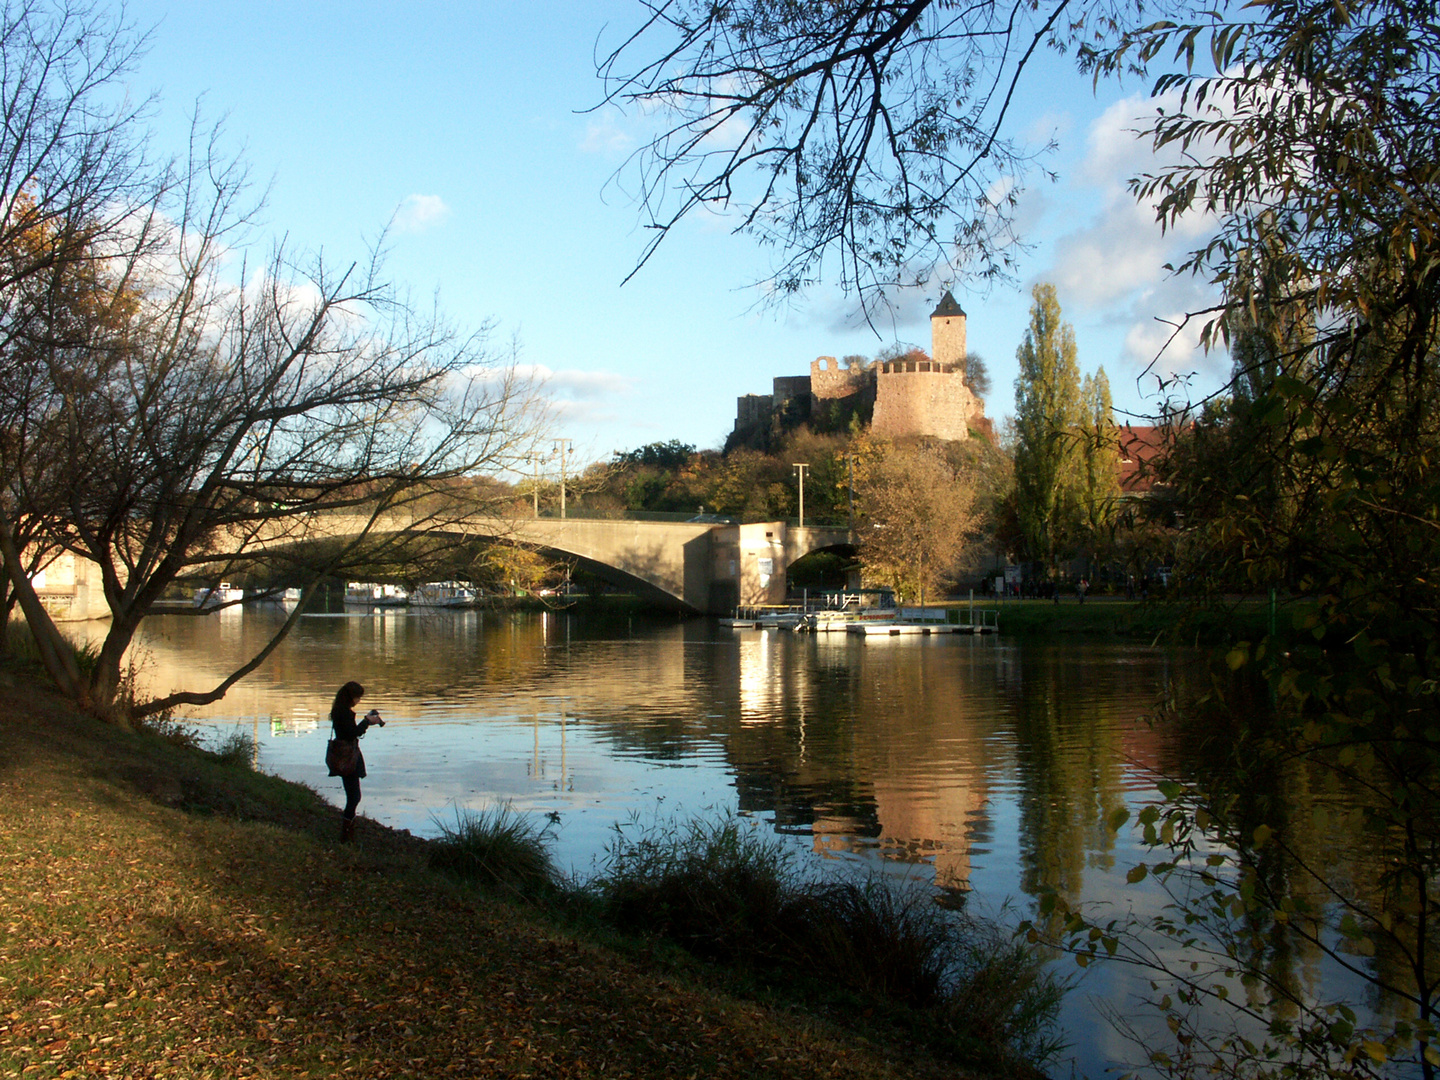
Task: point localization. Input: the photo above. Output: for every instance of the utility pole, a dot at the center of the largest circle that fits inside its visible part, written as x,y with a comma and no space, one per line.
562,448
800,467
850,462
535,488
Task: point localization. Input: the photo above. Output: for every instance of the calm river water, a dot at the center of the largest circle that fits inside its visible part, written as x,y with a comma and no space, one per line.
979,762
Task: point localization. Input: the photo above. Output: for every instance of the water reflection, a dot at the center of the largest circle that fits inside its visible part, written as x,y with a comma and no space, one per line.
990,765
896,748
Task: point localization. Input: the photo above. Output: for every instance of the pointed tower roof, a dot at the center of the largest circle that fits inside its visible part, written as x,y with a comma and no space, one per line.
947,307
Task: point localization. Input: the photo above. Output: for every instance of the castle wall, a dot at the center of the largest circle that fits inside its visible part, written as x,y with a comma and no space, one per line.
923,398
751,409
790,386
830,382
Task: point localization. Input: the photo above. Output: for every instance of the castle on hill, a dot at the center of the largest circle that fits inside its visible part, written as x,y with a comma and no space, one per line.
910,395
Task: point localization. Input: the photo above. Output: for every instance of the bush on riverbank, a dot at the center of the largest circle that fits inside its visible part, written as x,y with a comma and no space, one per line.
1159,621
497,848
726,892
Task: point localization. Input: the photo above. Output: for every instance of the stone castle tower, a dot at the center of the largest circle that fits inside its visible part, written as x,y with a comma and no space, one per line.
912,395
929,397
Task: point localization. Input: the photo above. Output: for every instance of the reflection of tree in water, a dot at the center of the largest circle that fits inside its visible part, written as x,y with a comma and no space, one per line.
1074,730
1319,845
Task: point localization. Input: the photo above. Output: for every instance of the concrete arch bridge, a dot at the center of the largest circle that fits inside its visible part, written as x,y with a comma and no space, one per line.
702,566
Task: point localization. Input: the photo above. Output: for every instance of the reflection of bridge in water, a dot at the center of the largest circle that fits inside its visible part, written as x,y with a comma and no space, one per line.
700,565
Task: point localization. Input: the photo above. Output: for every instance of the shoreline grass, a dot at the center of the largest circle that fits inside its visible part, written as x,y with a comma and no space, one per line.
167,913
1160,621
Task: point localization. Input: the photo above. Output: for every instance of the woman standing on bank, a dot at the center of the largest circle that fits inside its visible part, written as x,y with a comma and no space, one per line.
343,755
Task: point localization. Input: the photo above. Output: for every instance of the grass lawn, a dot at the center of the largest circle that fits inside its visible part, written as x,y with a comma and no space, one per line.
163,914
1177,623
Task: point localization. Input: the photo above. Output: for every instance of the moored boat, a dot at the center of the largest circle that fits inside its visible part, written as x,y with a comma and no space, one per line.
444,594
374,594
215,595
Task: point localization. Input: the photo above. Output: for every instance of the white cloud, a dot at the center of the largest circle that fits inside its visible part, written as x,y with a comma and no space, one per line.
1113,267
607,135
1047,126
575,385
420,212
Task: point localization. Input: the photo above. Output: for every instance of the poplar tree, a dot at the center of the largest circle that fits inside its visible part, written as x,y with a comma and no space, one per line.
1099,449
1047,414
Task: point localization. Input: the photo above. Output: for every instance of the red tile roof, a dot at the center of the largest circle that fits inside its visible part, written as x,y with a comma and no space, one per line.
1140,450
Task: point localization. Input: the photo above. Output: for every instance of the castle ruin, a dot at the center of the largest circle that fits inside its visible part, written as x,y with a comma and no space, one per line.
911,395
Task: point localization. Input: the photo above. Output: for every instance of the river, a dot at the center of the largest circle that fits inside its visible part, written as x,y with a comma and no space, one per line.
984,764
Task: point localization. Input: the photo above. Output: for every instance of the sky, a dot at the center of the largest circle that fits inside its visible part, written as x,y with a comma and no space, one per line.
468,131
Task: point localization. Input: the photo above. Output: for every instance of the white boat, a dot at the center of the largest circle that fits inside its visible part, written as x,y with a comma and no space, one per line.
361,592
765,617
838,620
924,621
287,597
443,594
214,596
374,594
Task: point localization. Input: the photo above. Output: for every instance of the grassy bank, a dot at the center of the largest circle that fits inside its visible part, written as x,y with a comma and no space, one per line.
169,914
1179,622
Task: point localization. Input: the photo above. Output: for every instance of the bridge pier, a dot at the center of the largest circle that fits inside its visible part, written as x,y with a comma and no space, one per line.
747,566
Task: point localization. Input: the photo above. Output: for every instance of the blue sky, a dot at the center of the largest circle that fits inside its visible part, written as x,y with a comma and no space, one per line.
466,125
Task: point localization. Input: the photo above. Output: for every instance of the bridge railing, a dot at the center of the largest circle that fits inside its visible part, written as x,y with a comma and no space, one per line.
585,514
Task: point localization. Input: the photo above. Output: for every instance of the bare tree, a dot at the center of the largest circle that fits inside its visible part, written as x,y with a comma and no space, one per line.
160,419
220,422
864,133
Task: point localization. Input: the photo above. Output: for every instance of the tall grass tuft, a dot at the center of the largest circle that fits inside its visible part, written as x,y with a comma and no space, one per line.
1003,995
496,848
882,938
715,886
725,891
237,749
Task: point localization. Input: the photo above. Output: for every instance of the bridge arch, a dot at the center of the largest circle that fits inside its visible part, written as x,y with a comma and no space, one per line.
701,566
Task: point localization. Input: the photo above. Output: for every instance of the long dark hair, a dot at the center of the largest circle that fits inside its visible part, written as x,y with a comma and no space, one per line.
346,697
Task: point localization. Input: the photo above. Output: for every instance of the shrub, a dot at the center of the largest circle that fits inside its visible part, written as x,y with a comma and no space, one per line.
884,939
496,848
724,891
716,887
165,726
237,749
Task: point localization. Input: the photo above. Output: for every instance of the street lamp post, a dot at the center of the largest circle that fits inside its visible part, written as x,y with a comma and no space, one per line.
562,448
535,488
800,467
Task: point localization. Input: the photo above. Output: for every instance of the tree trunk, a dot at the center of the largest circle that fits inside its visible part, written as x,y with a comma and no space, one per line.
56,653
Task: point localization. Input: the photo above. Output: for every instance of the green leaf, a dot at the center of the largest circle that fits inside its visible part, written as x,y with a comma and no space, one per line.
1137,874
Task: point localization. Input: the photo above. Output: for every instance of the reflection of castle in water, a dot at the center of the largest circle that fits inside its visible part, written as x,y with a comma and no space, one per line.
883,755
